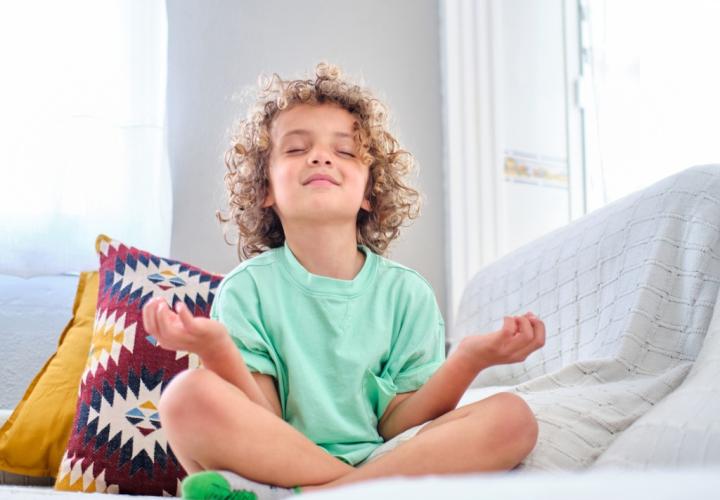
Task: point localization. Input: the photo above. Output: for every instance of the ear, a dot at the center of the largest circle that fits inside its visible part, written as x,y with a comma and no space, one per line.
269,198
368,191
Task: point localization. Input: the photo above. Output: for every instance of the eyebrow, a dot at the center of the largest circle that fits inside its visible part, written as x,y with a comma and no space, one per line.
307,132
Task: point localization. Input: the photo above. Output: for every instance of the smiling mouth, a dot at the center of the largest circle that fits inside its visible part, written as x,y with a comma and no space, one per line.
320,182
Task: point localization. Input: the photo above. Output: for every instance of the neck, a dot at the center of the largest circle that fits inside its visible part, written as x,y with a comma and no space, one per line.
326,250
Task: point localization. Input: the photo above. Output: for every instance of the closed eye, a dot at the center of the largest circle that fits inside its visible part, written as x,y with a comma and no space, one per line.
347,153
294,151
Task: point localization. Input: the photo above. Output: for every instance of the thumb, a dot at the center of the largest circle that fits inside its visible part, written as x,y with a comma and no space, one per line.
509,325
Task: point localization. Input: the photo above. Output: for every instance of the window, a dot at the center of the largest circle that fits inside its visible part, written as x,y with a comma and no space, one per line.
82,132
650,92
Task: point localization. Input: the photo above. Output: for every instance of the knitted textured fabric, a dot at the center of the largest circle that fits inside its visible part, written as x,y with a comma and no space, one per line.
628,374
117,444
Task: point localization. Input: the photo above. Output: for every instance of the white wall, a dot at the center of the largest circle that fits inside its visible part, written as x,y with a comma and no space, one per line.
216,48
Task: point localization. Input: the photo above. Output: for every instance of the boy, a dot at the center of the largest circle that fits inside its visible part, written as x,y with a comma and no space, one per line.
318,349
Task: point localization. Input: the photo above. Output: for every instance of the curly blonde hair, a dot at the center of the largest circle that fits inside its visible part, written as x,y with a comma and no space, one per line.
392,201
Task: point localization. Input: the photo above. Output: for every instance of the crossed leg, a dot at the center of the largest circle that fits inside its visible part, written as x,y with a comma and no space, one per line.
211,424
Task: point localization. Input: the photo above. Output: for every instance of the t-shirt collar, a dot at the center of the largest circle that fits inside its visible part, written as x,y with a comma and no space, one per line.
324,285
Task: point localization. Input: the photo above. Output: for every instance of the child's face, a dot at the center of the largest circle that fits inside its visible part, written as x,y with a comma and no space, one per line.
316,140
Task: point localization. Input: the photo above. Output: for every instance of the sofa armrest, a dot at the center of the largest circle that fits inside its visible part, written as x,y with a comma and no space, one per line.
627,267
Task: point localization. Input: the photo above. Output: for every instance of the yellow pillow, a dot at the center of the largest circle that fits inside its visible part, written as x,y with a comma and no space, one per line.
33,439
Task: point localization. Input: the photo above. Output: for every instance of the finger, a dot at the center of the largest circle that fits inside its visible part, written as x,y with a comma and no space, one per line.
185,316
150,315
526,329
509,325
539,328
534,345
156,314
145,317
165,329
146,314
153,319
531,315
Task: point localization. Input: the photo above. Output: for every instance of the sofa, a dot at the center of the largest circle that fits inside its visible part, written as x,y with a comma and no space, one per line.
626,389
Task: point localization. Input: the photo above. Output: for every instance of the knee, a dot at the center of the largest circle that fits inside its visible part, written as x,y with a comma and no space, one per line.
517,425
186,392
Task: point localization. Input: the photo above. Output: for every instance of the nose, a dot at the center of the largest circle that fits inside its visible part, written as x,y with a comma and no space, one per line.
319,157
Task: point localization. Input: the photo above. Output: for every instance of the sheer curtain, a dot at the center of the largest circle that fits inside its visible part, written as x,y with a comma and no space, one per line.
82,132
654,103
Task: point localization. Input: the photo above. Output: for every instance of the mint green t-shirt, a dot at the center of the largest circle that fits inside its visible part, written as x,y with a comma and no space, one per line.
340,350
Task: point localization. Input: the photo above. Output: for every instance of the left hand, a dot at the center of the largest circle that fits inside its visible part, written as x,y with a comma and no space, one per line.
518,337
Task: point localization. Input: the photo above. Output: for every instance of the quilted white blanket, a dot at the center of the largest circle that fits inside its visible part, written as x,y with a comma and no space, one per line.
630,371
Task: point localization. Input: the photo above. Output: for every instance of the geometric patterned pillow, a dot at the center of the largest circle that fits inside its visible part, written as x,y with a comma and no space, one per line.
117,444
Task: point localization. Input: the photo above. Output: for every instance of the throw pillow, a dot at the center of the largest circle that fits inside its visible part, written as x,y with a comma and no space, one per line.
33,438
117,444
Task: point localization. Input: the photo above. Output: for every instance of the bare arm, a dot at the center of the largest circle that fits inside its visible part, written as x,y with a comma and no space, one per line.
210,340
438,396
268,385
229,364
518,337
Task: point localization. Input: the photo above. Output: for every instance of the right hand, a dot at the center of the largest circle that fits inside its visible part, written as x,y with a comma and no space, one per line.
179,330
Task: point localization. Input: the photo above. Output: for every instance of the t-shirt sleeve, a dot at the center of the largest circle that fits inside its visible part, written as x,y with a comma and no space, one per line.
419,347
237,308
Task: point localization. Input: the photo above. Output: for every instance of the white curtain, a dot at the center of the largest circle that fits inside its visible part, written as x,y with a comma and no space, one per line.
82,132
654,100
